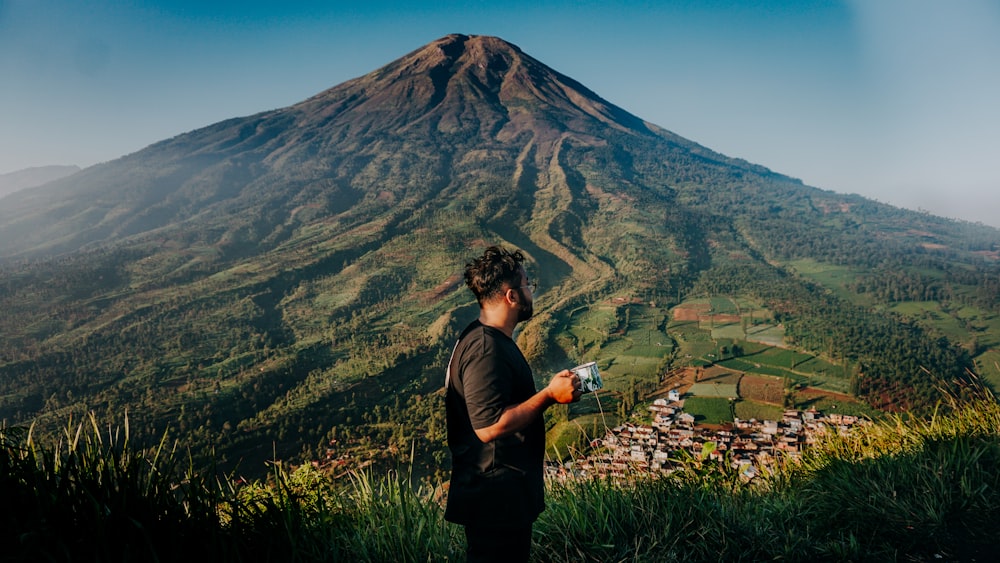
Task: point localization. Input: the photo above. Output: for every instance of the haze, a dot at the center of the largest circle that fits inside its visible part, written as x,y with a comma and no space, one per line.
894,99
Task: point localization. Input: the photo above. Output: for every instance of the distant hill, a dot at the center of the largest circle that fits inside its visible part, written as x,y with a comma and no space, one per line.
31,177
289,282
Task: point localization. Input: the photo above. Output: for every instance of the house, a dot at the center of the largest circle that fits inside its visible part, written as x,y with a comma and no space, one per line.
752,445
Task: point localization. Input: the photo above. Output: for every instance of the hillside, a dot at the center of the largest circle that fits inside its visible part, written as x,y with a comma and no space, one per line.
270,284
32,177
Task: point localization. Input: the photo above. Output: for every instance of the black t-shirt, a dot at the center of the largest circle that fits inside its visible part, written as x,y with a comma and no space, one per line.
500,482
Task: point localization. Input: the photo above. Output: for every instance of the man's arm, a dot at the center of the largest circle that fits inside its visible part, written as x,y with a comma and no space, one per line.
563,388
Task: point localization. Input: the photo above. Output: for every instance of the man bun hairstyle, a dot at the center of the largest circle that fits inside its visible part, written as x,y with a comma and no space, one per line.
487,275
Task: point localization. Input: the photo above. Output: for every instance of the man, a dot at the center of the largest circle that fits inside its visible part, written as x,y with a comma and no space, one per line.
495,428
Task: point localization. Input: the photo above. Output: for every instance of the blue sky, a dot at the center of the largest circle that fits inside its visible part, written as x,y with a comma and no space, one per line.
897,100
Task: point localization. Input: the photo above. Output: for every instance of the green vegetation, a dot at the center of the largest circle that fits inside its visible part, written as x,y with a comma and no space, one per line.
901,489
709,410
714,389
628,343
746,410
890,362
695,344
569,439
836,277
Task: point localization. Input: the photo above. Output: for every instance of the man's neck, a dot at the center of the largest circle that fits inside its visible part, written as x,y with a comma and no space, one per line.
499,321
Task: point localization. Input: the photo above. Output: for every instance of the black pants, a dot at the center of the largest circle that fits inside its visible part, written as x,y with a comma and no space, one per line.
492,544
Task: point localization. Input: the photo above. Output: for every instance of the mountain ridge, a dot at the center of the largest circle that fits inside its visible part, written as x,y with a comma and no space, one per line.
32,177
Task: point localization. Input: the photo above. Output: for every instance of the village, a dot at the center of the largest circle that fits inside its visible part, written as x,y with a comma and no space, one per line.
750,446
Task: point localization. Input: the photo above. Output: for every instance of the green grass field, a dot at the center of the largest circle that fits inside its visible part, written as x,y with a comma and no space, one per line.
692,342
768,334
832,277
956,325
724,306
745,410
833,405
929,313
718,390
749,366
624,340
592,325
988,364
708,410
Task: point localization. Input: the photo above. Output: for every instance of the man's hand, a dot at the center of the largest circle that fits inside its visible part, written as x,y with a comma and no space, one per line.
565,387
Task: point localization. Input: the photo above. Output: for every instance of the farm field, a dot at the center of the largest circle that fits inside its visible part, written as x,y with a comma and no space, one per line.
834,383
748,409
623,338
694,345
832,277
929,313
988,364
955,324
723,321
709,410
833,403
769,334
589,327
707,330
762,389
719,374
714,389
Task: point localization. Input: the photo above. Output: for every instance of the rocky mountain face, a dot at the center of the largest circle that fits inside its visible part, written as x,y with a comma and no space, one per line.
267,278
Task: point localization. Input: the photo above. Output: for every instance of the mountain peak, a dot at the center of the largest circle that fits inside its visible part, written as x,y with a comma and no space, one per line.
463,83
479,50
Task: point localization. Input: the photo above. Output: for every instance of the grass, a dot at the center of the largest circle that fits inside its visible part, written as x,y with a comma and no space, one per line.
830,404
568,439
902,489
961,325
833,277
826,377
714,389
988,365
709,410
639,351
746,410
95,498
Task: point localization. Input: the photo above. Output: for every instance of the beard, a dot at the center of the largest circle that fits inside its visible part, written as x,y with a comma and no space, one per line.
525,308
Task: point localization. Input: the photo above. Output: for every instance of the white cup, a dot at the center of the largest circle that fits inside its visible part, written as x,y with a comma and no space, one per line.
590,377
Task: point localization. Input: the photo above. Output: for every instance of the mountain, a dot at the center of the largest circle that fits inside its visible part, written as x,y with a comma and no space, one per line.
289,283
31,177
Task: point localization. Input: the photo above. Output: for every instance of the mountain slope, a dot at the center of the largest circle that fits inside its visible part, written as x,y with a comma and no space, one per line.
32,177
286,277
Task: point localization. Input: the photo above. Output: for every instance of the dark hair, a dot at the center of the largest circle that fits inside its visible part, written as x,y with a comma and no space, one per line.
487,274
